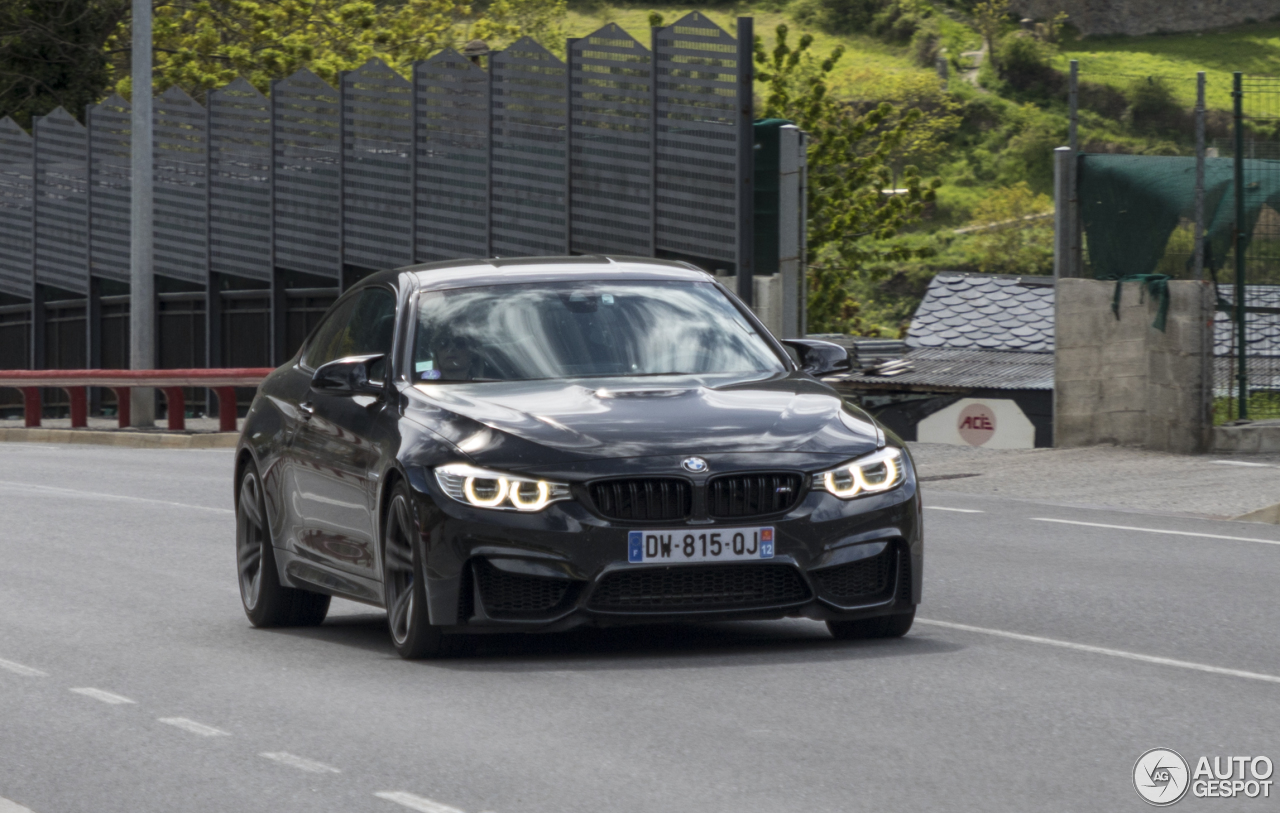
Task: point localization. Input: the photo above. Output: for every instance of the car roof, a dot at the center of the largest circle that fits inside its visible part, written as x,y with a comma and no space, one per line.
498,271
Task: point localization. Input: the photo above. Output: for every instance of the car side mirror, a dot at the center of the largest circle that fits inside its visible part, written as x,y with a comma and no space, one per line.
348,376
818,358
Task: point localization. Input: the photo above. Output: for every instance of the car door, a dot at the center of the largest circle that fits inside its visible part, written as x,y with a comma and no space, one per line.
335,454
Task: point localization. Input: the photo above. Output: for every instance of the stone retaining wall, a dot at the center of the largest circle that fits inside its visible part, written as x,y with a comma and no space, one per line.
1149,16
1122,381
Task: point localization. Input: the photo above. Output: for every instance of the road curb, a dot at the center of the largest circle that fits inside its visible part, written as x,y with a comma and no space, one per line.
1269,515
133,440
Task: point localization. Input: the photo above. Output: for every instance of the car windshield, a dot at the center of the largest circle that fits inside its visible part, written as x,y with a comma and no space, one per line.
523,332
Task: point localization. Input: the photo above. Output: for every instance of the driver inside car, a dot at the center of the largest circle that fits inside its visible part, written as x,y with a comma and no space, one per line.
455,360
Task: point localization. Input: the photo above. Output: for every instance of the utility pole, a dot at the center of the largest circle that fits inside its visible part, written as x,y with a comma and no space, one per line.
142,280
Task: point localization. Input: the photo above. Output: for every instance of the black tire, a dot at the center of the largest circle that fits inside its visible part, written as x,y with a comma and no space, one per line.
266,602
882,626
403,585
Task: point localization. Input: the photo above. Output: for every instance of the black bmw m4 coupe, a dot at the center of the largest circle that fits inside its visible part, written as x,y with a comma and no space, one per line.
537,444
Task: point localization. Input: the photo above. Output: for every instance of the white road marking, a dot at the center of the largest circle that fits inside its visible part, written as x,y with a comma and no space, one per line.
301,763
19,669
1243,463
957,510
194,727
1098,650
1158,531
415,802
7,806
105,697
100,496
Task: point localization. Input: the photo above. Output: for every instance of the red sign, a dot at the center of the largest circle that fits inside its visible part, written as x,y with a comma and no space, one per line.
977,424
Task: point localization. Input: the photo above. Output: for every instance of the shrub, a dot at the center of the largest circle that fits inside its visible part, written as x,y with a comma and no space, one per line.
1152,107
1103,100
1013,237
1023,62
926,44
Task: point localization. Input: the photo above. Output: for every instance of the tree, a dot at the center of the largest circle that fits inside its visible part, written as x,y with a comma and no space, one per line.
52,53
202,45
1012,234
851,218
988,17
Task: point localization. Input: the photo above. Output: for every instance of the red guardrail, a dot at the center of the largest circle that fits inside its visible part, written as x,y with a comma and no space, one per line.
76,382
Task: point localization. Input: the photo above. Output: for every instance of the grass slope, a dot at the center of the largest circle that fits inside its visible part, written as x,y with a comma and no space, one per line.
867,67
1117,61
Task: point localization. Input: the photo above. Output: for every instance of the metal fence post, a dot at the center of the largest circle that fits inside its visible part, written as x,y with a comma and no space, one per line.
568,144
1073,104
342,182
93,298
1237,84
1075,251
413,163
142,280
1199,246
790,225
276,301
36,360
653,140
746,161
1062,160
488,209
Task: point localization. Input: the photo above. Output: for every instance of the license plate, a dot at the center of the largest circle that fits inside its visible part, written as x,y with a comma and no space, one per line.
684,545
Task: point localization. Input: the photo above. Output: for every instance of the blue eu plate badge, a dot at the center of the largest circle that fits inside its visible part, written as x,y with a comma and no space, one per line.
635,546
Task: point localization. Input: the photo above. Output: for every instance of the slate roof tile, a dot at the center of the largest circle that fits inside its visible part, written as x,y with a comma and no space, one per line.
984,311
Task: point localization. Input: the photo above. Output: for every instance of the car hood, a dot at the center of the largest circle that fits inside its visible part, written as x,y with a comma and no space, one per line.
549,422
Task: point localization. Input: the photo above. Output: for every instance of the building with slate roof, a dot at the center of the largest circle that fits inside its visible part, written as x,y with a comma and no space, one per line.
973,336
991,336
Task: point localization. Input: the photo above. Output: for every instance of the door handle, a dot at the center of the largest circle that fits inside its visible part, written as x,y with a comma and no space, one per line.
307,409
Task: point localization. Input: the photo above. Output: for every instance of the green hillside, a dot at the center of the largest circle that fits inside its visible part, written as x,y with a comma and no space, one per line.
988,134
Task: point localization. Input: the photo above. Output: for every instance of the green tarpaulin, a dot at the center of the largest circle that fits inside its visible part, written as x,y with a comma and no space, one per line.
1130,205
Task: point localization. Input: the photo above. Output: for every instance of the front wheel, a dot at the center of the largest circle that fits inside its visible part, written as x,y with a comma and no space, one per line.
404,587
882,626
265,600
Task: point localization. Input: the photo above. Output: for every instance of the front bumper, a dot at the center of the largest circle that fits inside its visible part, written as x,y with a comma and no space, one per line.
566,566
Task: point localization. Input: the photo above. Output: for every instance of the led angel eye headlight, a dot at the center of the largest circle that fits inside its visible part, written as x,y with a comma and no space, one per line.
482,488
873,474
495,489
537,500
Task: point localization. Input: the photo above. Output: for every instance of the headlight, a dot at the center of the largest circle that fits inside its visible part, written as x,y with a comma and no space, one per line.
493,489
882,471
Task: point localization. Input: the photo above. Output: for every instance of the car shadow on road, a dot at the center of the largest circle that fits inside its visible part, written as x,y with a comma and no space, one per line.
665,646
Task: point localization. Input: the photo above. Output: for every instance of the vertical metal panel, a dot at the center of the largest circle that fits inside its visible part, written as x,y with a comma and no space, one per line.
181,197
15,209
697,155
530,143
610,121
377,185
109,172
61,205
452,217
307,175
240,182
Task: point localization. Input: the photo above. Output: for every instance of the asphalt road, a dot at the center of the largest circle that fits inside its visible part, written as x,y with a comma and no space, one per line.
1053,655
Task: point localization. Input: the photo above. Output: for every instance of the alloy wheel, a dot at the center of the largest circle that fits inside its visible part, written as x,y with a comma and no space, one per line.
400,574
251,536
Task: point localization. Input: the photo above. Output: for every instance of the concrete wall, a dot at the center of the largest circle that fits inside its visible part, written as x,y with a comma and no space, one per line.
1149,16
1121,380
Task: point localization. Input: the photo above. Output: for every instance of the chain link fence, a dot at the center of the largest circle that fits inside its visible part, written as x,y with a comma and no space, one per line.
1180,177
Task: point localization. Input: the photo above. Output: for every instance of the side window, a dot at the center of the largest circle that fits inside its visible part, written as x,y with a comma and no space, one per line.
359,325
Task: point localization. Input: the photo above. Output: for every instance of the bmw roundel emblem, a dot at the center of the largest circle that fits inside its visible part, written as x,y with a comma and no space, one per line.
694,465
